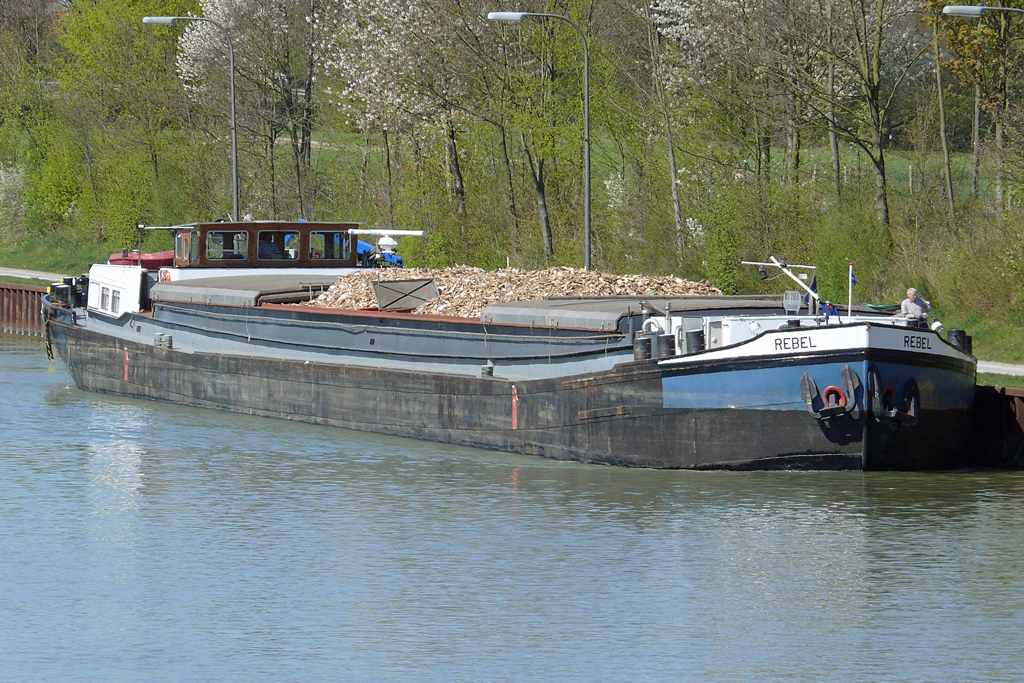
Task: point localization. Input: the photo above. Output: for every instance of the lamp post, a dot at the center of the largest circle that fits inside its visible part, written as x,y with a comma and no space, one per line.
168,21
518,17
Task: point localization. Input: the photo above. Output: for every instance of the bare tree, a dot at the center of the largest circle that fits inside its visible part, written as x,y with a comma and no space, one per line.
876,45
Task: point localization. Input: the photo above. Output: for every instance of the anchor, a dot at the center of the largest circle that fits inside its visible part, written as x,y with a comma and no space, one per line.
835,402
887,412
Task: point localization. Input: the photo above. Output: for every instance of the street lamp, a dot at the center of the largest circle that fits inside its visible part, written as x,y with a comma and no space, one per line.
975,11
518,17
168,21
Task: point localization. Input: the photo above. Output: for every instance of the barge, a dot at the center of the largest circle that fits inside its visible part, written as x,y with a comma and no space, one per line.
662,382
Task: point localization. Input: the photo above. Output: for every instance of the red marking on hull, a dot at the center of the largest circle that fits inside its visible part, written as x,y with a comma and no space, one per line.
515,408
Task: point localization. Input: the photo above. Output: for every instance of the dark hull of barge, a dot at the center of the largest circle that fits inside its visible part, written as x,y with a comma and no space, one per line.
614,417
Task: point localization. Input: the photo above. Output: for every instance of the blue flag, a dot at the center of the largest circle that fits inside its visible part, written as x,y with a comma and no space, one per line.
814,288
853,277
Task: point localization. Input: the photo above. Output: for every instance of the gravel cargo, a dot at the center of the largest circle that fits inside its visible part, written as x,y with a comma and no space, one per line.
465,291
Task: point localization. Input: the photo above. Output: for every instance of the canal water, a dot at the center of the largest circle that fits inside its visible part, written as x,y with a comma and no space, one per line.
141,541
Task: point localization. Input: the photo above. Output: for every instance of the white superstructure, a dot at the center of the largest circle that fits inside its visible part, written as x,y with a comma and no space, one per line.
115,290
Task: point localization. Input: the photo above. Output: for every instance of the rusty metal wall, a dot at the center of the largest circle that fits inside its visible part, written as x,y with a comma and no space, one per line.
999,427
21,309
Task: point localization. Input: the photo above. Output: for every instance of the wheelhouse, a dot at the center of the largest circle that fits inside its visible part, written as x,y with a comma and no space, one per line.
265,244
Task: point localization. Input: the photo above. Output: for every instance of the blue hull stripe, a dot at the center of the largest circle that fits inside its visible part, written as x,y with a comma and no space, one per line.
778,388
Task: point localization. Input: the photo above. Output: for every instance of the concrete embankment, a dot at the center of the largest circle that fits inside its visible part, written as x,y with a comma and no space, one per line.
22,274
1001,368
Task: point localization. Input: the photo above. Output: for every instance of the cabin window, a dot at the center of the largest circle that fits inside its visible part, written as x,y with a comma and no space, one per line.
115,301
195,249
330,245
105,298
186,248
278,245
227,244
179,250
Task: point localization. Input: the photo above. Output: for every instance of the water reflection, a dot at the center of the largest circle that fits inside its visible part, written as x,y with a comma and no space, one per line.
115,454
145,541
116,479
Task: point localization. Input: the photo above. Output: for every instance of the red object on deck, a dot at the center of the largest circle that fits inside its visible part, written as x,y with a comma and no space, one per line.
149,261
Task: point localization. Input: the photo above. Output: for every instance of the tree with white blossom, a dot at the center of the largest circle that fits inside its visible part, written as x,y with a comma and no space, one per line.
844,60
276,45
402,66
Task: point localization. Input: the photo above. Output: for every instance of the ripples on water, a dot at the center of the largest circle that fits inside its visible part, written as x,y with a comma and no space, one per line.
148,542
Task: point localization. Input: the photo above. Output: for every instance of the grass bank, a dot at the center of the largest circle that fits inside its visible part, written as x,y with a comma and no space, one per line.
992,340
24,281
994,380
53,254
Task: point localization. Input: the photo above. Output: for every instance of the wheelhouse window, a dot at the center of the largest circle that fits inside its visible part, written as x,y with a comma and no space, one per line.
227,245
329,245
115,301
105,298
278,245
179,250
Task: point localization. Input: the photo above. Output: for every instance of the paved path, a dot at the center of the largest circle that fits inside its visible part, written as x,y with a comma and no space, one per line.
1001,368
30,274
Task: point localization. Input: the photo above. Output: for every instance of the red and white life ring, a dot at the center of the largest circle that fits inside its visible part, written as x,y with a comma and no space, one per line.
833,391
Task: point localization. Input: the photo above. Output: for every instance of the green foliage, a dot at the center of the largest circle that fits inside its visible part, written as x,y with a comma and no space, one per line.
721,252
123,186
721,262
53,177
847,231
94,119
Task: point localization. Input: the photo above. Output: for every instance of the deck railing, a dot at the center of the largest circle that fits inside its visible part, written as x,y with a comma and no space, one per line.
21,309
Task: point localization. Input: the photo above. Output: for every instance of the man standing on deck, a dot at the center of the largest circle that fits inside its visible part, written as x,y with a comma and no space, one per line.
914,307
